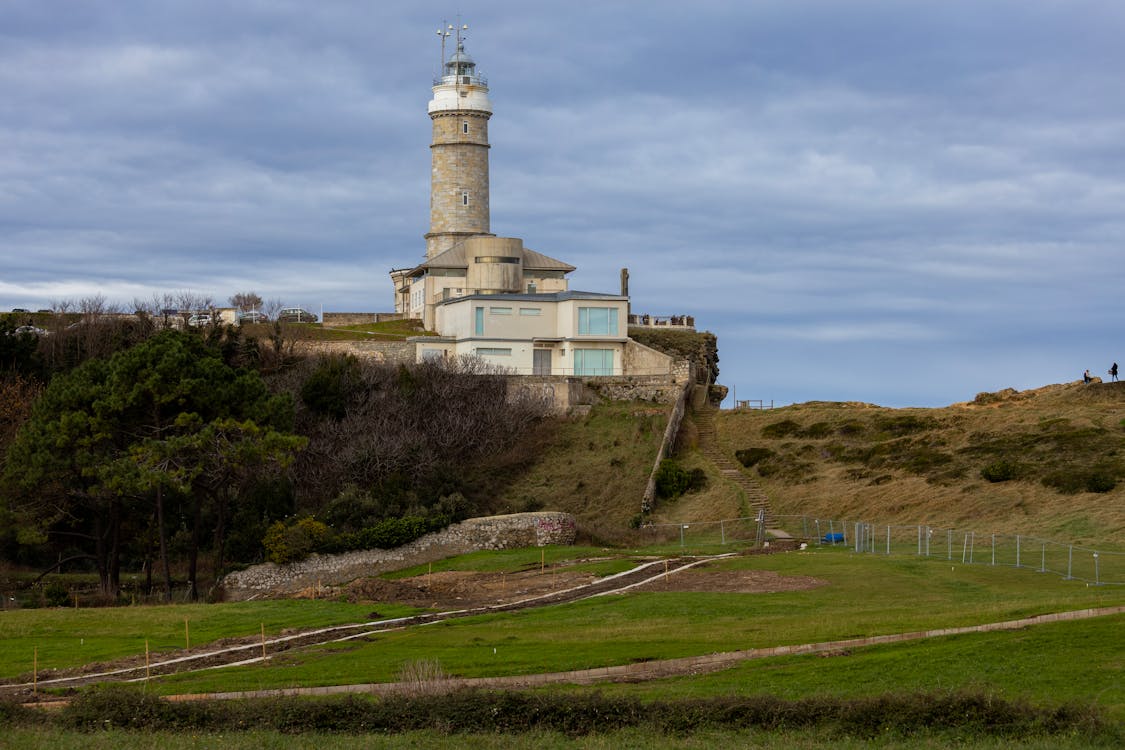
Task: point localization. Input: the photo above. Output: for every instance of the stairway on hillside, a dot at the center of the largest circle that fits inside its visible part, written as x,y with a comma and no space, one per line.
709,446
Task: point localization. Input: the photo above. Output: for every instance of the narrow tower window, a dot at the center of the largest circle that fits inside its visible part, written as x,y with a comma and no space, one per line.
464,197
465,127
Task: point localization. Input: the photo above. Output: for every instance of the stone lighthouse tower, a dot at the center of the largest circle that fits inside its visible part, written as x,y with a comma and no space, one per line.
459,175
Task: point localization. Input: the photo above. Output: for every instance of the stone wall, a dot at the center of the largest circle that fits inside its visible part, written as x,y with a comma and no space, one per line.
660,390
394,352
493,532
337,319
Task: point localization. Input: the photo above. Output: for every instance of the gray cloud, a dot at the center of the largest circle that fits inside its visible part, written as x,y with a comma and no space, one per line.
922,198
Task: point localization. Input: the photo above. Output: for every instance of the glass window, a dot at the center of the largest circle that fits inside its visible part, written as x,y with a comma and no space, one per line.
499,311
479,327
530,311
485,351
593,361
597,321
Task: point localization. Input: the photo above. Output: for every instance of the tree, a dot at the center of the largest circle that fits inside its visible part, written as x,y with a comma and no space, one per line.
113,441
246,301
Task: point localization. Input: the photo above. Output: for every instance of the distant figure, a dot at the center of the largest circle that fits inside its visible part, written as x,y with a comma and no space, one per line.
1113,371
1086,377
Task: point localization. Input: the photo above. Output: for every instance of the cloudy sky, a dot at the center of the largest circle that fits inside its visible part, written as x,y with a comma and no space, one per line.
890,201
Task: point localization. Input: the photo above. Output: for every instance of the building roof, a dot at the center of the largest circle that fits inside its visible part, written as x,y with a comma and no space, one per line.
539,297
455,258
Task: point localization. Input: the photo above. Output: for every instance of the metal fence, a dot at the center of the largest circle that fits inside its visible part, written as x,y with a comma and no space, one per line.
1096,566
1069,561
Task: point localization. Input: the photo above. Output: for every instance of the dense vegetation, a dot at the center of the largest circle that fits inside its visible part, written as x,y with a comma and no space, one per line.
575,716
127,445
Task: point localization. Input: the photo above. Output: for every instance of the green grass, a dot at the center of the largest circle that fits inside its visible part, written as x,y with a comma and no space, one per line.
71,637
1078,661
865,596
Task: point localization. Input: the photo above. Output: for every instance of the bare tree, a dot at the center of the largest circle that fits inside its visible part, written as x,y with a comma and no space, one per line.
246,301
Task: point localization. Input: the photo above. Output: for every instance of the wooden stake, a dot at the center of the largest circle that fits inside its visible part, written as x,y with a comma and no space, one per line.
148,671
542,559
187,635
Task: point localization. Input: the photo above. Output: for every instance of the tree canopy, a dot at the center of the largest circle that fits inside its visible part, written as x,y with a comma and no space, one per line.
111,443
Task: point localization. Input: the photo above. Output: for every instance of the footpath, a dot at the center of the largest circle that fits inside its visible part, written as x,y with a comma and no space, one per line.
756,498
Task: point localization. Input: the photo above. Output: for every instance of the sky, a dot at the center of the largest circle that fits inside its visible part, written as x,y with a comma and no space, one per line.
890,201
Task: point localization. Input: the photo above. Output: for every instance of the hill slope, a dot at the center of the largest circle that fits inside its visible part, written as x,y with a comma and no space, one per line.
1048,462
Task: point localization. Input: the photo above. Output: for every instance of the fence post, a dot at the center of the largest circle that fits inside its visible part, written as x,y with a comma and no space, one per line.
818,536
1097,580
919,540
964,548
949,545
832,531
994,549
888,540
972,545
1070,562
1042,557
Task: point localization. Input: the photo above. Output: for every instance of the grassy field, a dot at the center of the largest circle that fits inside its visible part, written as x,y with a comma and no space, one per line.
864,596
71,637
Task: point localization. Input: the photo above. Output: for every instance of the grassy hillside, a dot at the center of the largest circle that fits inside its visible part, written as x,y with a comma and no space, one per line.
596,467
1049,461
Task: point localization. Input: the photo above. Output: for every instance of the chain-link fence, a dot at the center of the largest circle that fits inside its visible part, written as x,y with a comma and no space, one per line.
1070,561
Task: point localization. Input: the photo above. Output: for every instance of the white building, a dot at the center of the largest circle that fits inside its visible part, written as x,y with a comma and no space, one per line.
490,296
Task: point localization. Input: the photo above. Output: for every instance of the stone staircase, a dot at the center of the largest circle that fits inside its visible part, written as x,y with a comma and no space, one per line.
756,498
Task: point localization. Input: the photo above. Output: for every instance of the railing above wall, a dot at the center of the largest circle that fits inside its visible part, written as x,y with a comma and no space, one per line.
685,322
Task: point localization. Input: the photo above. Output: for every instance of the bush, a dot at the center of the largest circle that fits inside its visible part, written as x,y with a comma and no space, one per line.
784,428
972,715
289,543
1071,481
1000,471
672,480
750,456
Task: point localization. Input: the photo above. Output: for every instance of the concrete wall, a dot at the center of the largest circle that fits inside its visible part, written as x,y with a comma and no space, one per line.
493,532
644,360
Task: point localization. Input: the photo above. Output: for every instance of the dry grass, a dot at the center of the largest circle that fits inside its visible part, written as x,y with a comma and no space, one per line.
924,465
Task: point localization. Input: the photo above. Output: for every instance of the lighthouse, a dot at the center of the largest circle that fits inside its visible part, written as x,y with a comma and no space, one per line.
459,110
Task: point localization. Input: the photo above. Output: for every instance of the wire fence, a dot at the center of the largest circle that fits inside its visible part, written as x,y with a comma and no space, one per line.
969,547
1093,565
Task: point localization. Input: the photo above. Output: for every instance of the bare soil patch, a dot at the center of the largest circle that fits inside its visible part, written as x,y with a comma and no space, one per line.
461,589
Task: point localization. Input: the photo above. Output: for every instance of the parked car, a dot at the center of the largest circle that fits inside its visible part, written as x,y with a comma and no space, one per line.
33,330
252,316
20,310
197,321
295,315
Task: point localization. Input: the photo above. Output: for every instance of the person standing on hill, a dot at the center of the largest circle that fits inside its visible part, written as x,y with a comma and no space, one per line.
1113,371
1086,377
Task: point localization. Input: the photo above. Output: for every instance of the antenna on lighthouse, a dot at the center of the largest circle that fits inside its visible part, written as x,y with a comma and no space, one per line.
445,32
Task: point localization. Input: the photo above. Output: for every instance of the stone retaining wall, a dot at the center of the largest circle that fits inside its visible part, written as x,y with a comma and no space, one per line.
393,352
270,580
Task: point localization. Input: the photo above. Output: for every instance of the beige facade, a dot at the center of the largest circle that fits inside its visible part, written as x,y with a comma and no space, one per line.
566,333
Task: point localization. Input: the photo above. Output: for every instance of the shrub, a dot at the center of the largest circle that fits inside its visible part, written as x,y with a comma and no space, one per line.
56,594
750,456
672,480
1100,483
784,428
296,541
818,430
1000,471
1071,481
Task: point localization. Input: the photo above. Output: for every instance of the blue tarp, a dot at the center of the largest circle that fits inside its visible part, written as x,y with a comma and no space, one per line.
836,538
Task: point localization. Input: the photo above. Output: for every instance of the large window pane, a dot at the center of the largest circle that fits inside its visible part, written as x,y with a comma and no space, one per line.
597,321
593,361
